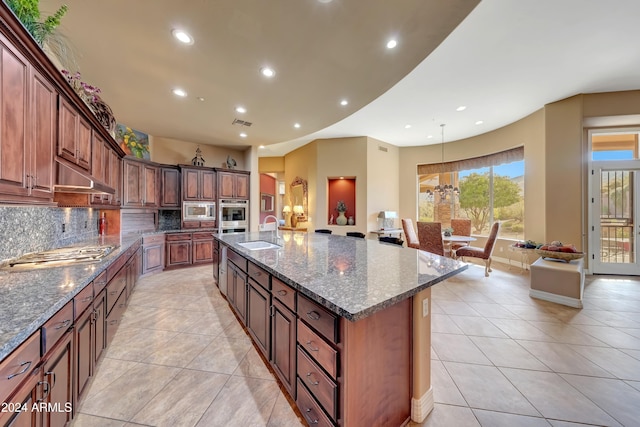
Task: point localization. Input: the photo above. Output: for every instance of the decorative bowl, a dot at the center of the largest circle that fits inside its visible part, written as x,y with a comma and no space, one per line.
564,256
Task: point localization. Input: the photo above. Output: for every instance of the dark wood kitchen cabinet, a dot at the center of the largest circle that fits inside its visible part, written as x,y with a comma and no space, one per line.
283,334
237,286
202,244
178,250
139,184
58,373
233,185
258,315
216,261
28,132
153,253
170,188
198,184
74,135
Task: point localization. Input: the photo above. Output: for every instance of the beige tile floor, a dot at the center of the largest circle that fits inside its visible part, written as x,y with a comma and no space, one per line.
499,357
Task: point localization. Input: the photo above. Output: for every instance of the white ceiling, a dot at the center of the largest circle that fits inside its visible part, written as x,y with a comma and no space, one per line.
506,59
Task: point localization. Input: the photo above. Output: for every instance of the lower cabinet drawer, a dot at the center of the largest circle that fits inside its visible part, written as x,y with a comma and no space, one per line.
113,320
55,327
319,318
321,351
115,288
19,365
83,300
310,409
318,383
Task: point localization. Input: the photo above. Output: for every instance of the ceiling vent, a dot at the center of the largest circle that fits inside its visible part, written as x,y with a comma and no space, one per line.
241,122
381,148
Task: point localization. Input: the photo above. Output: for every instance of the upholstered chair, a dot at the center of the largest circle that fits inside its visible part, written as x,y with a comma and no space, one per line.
461,227
430,236
482,253
410,233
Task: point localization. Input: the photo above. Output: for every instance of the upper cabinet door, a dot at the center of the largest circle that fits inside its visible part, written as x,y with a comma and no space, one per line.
14,179
150,189
132,184
98,154
208,181
225,185
190,184
170,188
242,186
74,136
43,128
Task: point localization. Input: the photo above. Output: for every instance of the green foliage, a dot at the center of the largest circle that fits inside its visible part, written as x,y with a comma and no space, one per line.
474,196
28,12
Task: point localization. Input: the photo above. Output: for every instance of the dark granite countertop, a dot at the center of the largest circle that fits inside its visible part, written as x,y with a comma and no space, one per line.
352,277
29,298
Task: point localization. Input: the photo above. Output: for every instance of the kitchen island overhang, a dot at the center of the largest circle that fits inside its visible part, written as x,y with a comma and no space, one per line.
381,295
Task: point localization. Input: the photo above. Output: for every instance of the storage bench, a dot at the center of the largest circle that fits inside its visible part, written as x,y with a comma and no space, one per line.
558,281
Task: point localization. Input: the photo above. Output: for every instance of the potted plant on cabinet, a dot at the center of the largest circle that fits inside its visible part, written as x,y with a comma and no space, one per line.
341,208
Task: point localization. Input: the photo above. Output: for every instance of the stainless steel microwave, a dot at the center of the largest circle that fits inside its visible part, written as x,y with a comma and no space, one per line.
198,211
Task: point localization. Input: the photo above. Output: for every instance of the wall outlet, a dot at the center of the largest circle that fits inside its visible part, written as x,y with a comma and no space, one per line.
425,307
64,227
85,224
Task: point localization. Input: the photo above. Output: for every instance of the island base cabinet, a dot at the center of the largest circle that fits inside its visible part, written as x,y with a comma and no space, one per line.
283,345
258,325
311,410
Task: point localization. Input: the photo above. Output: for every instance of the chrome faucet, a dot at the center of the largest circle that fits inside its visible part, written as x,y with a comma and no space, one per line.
264,222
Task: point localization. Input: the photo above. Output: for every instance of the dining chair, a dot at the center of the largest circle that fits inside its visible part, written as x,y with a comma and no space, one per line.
355,234
430,236
410,233
461,227
482,253
392,240
323,231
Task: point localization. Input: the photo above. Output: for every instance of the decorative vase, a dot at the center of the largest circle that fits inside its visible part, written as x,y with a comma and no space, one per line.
351,221
341,220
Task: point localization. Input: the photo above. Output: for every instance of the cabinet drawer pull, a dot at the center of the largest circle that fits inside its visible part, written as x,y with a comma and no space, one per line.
313,315
113,292
53,377
113,322
311,348
46,389
26,365
310,380
86,299
315,421
64,324
282,292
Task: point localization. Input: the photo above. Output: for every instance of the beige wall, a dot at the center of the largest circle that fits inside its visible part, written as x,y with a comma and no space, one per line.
528,132
302,163
174,152
383,181
271,164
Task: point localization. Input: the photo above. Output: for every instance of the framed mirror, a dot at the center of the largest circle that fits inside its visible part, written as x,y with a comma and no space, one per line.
298,198
266,202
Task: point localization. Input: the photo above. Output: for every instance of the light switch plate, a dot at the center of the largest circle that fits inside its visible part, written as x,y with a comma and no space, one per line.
425,307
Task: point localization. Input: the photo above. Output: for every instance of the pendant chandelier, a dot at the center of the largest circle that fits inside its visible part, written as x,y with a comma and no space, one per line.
446,191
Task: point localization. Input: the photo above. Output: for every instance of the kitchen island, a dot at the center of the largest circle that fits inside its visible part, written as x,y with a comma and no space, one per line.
343,322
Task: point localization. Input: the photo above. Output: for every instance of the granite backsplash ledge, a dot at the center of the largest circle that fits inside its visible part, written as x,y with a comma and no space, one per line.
32,229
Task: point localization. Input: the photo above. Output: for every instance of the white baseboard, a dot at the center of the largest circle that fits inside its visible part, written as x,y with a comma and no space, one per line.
559,299
422,407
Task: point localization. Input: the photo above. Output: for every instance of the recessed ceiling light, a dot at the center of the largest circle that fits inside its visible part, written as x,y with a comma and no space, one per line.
407,126
243,135
261,147
479,122
391,44
325,1
179,92
200,98
344,102
182,36
296,125
461,108
267,72
429,136
240,109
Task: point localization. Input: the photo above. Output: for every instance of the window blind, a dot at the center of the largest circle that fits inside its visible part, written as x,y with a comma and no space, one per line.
495,159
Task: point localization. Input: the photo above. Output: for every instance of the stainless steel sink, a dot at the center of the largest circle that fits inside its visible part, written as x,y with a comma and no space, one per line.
258,245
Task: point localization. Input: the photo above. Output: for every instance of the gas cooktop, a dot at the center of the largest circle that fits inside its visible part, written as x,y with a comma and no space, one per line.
60,257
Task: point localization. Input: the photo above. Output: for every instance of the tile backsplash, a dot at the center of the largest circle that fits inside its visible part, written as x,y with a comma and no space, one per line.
32,229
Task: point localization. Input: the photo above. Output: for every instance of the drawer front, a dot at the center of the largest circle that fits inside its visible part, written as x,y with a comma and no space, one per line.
319,318
310,409
318,383
259,275
114,318
203,235
207,224
237,260
115,288
191,224
18,365
318,348
284,293
176,237
83,300
99,283
150,240
55,327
